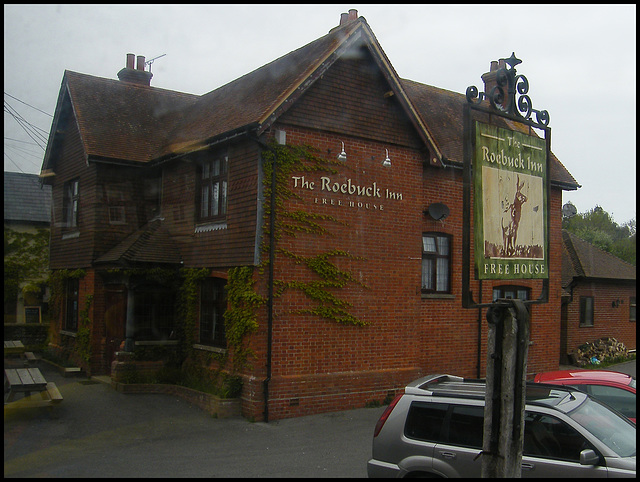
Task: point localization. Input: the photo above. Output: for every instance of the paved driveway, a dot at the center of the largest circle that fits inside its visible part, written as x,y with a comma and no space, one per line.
98,432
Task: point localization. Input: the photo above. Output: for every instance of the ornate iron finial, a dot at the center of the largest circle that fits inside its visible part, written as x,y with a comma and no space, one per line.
515,85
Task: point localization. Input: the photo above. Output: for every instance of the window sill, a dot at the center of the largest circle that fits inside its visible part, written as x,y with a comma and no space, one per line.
72,235
437,296
204,228
213,349
68,333
156,342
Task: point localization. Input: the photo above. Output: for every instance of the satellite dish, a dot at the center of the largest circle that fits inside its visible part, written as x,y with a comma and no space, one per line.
569,210
438,211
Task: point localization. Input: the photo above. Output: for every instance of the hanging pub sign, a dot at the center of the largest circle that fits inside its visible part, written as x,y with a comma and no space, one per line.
510,204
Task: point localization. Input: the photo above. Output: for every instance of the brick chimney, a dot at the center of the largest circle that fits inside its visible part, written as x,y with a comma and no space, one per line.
137,74
348,17
489,78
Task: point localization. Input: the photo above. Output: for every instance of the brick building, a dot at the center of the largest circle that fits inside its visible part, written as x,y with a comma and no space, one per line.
361,292
599,296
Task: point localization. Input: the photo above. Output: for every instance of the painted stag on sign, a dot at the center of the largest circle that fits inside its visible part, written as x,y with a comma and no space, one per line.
510,231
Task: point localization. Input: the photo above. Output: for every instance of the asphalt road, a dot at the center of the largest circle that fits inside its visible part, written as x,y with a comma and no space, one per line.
98,432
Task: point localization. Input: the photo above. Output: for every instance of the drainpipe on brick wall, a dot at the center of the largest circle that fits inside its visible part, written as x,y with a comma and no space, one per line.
272,239
272,225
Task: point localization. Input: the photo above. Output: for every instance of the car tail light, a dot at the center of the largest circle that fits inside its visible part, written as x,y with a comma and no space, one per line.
385,415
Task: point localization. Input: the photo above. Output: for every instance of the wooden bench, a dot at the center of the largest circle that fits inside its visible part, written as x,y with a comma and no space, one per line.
38,392
30,357
13,347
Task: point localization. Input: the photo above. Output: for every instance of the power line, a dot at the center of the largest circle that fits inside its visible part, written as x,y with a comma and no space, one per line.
30,129
29,105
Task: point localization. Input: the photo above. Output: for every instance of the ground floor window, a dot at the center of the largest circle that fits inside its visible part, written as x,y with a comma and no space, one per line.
632,308
436,263
586,311
154,313
71,304
213,303
511,292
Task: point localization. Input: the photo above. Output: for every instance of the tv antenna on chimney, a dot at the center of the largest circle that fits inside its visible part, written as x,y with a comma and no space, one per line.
150,61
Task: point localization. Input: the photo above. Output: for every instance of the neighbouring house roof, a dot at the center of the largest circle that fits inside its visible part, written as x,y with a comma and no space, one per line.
581,259
150,244
442,110
121,121
26,200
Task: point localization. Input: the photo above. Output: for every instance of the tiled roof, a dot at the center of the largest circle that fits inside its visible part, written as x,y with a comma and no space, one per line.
150,244
254,97
25,199
581,259
120,120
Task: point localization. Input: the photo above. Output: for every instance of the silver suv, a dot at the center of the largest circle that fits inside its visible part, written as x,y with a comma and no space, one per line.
435,429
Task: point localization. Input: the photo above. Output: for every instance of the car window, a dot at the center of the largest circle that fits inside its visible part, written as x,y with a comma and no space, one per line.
548,437
425,420
615,431
618,398
466,426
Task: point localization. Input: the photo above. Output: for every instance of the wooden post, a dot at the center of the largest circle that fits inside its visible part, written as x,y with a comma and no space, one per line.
508,346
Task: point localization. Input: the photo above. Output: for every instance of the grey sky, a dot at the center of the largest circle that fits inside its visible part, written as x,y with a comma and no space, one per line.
580,61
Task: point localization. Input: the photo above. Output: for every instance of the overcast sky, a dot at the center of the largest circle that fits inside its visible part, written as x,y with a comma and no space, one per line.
580,61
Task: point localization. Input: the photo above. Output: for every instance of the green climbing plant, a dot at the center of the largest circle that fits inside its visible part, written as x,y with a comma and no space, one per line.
240,318
292,222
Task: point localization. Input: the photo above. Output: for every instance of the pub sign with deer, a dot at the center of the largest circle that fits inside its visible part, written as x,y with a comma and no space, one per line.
510,204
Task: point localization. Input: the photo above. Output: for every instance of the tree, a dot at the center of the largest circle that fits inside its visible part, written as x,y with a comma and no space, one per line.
26,262
598,228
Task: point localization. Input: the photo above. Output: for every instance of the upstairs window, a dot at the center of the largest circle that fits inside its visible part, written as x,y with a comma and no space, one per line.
116,203
436,263
213,175
70,200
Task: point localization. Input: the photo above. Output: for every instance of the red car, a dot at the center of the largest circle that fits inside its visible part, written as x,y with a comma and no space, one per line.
613,388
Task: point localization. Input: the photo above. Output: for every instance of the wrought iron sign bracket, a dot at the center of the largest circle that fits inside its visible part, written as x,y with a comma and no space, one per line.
515,102
507,99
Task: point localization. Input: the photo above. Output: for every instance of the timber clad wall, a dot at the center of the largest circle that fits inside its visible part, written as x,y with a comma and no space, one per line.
352,99
72,253
233,245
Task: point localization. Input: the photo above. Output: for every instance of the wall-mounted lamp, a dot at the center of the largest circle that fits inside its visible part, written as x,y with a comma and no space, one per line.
387,161
343,155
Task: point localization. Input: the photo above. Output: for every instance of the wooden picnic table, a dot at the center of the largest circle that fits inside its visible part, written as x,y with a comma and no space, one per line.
13,347
28,380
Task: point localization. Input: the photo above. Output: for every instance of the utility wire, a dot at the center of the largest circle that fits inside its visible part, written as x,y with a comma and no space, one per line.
15,98
30,129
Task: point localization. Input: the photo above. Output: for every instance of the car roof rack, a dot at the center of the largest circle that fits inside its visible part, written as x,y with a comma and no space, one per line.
442,385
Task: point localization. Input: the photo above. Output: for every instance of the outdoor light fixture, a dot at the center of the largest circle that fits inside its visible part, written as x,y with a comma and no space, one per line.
387,161
343,155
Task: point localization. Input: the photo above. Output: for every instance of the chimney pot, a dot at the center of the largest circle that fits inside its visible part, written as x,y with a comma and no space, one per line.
130,60
494,66
344,18
140,65
353,14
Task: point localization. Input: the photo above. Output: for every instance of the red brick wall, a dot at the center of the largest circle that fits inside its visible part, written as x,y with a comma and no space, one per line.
608,321
320,365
